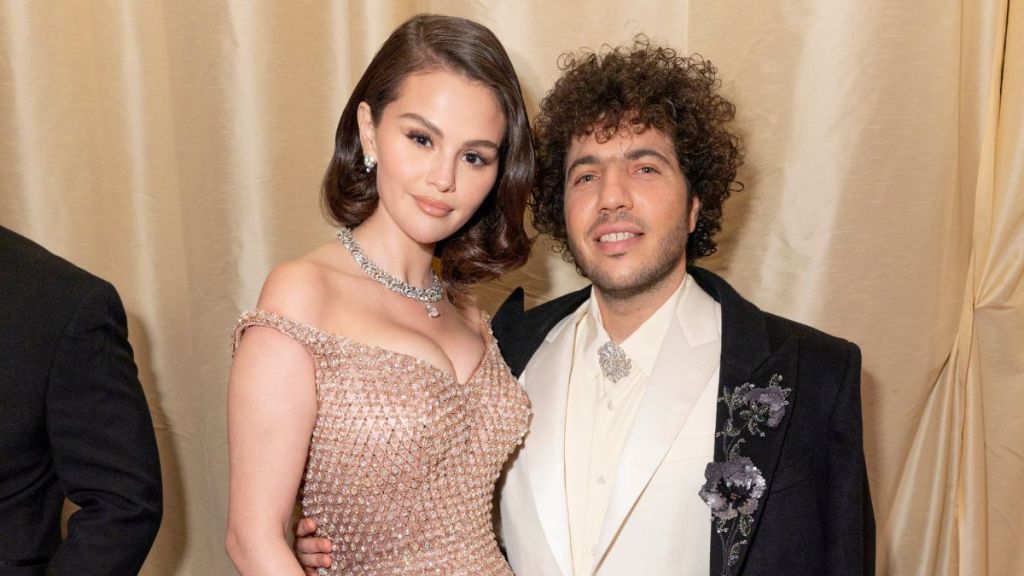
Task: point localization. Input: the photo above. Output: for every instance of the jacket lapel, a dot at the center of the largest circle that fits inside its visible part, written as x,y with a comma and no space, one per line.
520,333
545,379
755,379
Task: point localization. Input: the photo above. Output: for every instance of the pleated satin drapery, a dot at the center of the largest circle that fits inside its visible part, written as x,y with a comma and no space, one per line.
175,148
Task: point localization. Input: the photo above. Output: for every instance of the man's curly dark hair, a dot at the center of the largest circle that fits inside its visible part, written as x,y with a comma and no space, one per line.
644,87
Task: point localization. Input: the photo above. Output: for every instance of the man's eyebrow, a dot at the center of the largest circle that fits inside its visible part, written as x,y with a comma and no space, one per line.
639,153
634,154
588,160
436,131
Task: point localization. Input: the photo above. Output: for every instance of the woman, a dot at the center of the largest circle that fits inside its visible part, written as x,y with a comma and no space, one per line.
365,378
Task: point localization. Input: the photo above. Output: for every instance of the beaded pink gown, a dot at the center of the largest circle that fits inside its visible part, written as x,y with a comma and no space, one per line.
403,460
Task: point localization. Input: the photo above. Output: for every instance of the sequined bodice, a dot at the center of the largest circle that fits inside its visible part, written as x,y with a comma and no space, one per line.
403,460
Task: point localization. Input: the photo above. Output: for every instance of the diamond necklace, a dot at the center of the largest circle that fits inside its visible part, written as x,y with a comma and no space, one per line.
427,296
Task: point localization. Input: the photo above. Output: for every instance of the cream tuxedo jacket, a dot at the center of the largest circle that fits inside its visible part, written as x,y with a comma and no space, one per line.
652,527
810,514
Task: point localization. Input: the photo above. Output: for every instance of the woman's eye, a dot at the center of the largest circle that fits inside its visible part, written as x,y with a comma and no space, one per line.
477,160
420,139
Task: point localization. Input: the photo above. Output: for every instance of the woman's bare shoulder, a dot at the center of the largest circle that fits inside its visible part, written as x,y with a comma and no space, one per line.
470,312
301,289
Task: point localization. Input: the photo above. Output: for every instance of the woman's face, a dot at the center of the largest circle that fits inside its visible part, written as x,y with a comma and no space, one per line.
437,148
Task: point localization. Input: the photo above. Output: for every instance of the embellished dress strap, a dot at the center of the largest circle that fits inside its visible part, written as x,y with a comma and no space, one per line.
485,325
310,338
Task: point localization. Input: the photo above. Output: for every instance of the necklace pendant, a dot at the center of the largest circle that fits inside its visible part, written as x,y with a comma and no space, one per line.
432,310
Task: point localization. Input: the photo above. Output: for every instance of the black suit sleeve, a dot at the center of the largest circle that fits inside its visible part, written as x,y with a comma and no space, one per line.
104,448
850,518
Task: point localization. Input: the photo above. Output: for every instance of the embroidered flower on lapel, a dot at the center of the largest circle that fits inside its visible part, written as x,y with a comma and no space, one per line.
769,401
733,489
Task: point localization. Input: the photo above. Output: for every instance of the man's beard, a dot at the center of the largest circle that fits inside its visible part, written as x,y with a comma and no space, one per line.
665,260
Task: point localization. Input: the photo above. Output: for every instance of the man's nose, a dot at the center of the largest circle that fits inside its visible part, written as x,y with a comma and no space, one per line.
616,192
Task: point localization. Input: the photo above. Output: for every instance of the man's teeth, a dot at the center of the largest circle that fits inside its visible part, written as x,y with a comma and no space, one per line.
616,237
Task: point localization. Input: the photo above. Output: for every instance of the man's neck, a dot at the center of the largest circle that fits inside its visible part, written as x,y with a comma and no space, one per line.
622,316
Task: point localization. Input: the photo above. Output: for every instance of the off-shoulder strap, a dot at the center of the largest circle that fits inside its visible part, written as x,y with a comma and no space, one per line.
311,338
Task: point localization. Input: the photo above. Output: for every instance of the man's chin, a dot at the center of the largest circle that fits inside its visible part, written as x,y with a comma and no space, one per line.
621,292
627,284
617,287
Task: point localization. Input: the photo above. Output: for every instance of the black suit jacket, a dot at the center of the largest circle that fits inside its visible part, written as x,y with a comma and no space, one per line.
73,422
814,516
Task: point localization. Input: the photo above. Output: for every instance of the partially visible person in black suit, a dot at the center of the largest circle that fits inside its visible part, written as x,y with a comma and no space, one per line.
73,422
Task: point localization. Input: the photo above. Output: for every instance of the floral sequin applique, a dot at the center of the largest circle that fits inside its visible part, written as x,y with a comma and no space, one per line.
733,488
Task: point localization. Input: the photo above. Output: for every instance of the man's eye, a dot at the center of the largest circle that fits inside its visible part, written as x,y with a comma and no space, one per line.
648,170
585,178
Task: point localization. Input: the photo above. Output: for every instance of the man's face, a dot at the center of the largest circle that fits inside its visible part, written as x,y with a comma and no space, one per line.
626,211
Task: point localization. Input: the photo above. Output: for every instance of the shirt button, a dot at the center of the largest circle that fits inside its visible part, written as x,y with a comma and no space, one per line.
611,405
593,551
600,479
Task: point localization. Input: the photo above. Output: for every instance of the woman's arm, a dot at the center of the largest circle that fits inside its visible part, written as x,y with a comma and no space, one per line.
271,413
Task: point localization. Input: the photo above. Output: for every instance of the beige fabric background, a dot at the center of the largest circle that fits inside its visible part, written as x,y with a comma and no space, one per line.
176,147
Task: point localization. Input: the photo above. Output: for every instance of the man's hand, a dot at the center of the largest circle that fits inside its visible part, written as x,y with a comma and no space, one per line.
311,551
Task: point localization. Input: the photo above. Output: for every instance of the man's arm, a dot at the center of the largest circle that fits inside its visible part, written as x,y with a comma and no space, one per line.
851,528
104,448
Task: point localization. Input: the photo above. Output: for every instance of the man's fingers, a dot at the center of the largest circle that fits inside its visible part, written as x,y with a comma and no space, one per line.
312,561
313,546
305,527
312,552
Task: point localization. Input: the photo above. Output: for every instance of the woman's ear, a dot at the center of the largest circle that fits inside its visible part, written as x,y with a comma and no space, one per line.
367,131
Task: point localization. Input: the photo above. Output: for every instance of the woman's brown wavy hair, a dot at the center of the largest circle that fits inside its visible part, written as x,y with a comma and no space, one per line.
642,87
493,241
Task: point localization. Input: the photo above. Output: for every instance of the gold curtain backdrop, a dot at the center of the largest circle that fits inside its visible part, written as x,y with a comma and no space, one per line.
176,147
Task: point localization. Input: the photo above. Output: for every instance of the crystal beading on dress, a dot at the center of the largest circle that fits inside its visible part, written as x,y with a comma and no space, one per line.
404,458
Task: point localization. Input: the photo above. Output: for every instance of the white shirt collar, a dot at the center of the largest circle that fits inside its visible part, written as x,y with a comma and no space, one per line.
644,344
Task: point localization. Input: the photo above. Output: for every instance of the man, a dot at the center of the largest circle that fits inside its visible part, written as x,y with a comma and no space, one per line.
677,429
73,423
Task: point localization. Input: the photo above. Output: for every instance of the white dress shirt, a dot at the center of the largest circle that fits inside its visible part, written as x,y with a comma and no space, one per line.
599,415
